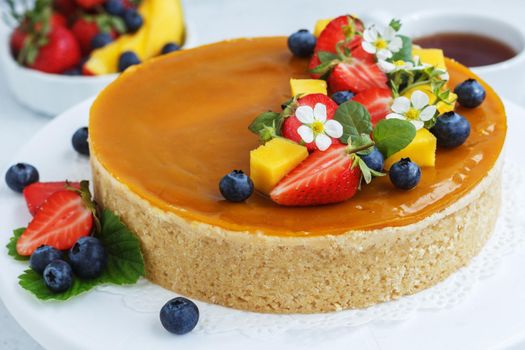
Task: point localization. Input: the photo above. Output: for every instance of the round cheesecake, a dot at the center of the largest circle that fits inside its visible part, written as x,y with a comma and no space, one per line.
165,132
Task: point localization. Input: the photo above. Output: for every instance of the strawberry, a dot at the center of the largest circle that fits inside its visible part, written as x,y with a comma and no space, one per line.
65,7
61,221
291,124
60,53
377,101
89,4
17,40
84,30
58,20
19,34
322,178
37,193
356,75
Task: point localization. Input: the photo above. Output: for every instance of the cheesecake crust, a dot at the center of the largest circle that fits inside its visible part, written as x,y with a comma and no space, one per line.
279,274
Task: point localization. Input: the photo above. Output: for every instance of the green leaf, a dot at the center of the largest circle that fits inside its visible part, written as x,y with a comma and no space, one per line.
395,24
325,56
355,120
361,144
405,53
11,246
392,135
323,68
267,125
125,263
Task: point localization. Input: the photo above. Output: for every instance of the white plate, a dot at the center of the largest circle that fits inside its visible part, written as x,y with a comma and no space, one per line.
493,315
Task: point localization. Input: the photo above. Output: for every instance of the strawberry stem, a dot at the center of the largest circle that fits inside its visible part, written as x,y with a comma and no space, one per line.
352,150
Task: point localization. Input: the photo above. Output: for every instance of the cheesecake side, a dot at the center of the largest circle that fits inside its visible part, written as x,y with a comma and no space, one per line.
278,274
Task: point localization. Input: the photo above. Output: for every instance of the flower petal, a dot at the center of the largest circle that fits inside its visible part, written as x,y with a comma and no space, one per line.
428,113
401,105
417,123
388,33
305,114
322,142
370,34
320,112
395,116
306,133
333,128
396,44
384,54
368,47
419,99
386,66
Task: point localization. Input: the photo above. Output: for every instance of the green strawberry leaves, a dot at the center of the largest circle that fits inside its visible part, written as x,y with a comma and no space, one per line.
392,135
11,246
125,262
355,120
267,125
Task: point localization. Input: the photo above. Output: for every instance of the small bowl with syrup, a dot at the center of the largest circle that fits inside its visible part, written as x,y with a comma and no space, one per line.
492,47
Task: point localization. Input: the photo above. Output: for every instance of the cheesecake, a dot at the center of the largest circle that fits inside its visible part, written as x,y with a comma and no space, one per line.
164,133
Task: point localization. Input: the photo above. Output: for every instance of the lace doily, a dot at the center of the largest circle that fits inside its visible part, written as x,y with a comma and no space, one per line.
508,237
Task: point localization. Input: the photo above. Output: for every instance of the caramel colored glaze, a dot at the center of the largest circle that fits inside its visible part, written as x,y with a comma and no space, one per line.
171,128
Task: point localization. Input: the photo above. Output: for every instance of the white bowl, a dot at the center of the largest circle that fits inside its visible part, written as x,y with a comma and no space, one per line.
49,94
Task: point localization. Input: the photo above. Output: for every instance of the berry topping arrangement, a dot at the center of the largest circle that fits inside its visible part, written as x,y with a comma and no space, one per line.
93,37
374,105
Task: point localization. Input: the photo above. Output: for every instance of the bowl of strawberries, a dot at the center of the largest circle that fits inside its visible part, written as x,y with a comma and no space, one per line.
60,52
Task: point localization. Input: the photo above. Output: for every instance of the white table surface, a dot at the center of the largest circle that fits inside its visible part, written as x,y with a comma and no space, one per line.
213,20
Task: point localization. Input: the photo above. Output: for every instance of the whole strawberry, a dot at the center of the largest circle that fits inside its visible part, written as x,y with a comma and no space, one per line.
89,4
65,7
60,53
85,29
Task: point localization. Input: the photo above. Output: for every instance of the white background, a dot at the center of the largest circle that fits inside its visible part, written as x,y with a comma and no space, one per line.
213,20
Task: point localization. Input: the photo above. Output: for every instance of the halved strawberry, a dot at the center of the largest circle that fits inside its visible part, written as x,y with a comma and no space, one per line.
357,76
291,124
60,222
322,178
377,101
37,193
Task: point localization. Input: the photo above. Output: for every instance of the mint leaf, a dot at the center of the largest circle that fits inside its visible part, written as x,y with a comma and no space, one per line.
11,246
392,135
125,263
267,125
355,120
405,53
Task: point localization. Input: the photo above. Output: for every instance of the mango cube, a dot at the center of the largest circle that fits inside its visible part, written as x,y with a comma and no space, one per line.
433,57
422,150
441,106
308,86
320,25
270,162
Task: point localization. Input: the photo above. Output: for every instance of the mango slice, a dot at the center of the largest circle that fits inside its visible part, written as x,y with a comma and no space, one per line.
422,150
320,25
308,86
270,162
433,57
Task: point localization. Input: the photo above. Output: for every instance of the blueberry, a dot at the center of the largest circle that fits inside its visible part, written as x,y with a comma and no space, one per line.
405,174
133,20
470,93
170,47
88,257
341,97
43,256
302,43
58,276
236,186
115,7
451,130
179,315
127,59
374,160
101,40
80,141
20,175
73,71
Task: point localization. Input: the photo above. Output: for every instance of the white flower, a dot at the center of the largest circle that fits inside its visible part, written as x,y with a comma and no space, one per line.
315,126
382,44
389,67
416,110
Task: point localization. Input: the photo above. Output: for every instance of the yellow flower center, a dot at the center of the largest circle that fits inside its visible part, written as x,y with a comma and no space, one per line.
317,127
381,43
399,63
413,114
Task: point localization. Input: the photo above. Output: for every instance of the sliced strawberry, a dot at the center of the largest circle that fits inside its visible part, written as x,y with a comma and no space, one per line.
356,76
291,124
322,178
60,222
377,101
37,193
